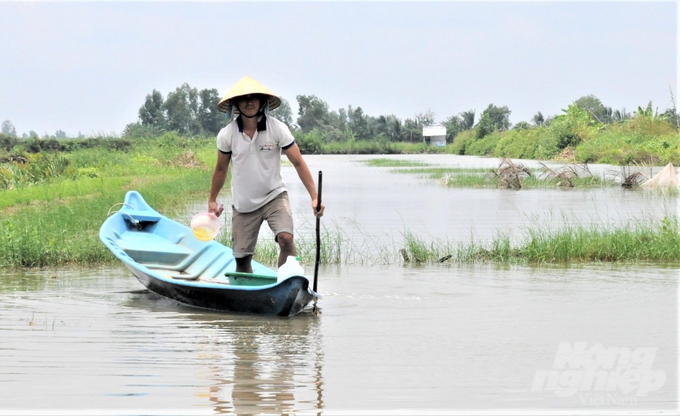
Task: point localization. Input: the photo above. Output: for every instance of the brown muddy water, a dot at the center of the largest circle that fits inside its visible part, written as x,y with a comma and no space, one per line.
391,339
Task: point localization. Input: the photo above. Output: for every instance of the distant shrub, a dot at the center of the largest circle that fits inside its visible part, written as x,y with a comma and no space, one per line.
519,144
7,142
484,146
462,141
621,146
566,130
309,143
172,139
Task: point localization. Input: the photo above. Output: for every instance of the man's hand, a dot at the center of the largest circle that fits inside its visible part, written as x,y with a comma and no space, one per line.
215,208
320,212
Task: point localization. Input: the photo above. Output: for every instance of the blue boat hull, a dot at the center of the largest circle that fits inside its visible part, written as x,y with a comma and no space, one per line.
287,298
169,261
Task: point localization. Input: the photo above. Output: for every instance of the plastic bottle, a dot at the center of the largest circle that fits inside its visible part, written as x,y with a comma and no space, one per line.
291,267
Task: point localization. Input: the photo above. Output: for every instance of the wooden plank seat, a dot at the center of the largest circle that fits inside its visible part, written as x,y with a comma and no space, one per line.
150,248
209,267
181,266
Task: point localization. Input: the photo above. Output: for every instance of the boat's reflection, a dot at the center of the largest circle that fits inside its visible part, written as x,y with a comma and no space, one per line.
253,364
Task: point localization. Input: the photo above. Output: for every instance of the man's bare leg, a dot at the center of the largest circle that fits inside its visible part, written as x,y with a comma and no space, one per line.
287,246
244,265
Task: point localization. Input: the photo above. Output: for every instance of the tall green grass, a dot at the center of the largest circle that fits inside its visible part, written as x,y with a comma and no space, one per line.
66,231
479,178
56,222
394,163
637,241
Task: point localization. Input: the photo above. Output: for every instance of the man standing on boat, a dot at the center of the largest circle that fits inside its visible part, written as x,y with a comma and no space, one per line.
252,144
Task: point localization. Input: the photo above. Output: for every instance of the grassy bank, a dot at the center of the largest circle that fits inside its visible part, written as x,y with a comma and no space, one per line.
54,219
636,242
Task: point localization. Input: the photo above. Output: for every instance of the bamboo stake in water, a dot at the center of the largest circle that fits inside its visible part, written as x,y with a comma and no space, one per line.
318,234
318,238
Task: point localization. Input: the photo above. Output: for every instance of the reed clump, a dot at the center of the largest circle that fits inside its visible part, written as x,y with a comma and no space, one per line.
513,176
638,241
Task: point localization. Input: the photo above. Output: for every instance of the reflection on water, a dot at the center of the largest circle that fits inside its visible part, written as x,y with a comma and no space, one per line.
93,340
253,364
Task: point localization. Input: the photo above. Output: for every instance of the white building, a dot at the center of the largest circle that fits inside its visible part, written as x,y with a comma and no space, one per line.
435,135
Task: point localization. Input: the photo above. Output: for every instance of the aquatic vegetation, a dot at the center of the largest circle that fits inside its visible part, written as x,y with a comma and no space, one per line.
394,163
528,179
638,241
509,174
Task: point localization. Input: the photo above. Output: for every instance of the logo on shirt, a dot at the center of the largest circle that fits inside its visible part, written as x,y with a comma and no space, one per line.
267,147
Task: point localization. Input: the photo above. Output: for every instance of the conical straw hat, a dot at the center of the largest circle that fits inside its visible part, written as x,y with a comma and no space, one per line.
245,86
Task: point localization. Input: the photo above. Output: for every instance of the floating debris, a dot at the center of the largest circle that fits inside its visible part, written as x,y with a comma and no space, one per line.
564,175
629,178
509,174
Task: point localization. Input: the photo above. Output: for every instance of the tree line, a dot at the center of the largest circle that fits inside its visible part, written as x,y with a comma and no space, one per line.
189,111
192,112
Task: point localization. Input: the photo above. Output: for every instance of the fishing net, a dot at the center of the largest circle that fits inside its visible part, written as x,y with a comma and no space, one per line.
666,178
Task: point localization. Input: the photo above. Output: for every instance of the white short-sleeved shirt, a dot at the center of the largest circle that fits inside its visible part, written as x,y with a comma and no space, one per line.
255,163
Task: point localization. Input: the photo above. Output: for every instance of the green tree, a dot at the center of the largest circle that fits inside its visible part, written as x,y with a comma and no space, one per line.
7,142
538,119
284,114
8,129
379,126
210,118
570,129
485,126
594,106
394,127
620,115
412,131
467,120
312,113
671,116
522,125
454,125
152,113
499,117
342,119
358,123
425,119
647,112
337,120
181,108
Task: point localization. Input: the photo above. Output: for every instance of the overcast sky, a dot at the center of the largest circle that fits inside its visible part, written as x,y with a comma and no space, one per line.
88,66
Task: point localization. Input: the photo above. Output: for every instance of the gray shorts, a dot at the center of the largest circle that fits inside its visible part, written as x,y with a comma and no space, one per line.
245,227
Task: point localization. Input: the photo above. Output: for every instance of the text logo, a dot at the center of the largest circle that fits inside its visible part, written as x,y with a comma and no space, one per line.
599,369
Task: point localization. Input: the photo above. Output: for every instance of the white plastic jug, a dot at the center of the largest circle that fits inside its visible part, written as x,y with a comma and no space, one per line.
291,267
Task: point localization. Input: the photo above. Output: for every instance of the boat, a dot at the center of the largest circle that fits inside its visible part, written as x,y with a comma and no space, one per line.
166,257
